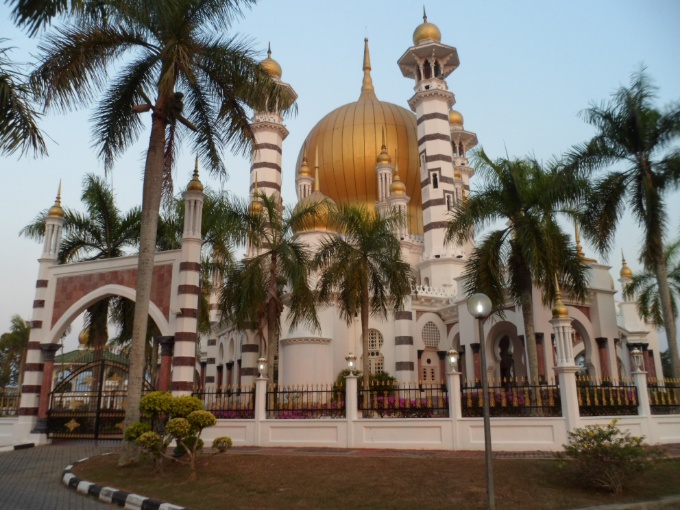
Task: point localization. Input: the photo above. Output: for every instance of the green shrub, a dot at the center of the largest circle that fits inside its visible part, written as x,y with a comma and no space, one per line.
178,428
181,407
135,430
150,441
605,456
156,403
222,444
201,419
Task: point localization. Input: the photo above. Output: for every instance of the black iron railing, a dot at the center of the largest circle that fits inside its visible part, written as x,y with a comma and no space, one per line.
512,398
387,399
305,401
229,403
664,396
606,398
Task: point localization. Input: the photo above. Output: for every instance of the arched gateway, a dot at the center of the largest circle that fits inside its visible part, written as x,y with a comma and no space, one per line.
64,291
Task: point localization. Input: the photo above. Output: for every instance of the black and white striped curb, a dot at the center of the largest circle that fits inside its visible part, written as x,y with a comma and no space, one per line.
111,495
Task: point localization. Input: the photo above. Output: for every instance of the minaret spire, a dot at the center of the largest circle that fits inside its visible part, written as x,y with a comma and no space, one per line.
424,15
269,50
367,83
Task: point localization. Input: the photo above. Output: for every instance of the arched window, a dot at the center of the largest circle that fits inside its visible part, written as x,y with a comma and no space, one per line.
431,335
375,359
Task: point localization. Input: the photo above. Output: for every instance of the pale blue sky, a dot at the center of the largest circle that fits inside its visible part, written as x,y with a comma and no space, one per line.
527,69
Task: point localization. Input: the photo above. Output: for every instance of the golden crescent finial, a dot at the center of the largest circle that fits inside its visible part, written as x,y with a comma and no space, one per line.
367,83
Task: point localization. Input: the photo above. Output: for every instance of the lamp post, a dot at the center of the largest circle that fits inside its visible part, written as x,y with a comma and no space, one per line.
479,306
262,367
351,360
636,354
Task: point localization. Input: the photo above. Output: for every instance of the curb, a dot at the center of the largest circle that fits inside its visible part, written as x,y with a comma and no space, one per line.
111,495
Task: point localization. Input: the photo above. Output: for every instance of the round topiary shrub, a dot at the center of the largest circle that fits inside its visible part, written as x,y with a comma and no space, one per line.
201,419
135,430
181,407
150,441
178,428
156,403
222,444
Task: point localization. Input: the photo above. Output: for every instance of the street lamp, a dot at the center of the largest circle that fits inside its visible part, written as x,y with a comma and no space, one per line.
636,354
452,359
351,360
262,367
479,306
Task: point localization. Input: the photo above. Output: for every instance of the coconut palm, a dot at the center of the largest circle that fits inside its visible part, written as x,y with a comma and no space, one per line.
361,269
530,248
177,56
13,345
642,140
276,265
643,287
18,129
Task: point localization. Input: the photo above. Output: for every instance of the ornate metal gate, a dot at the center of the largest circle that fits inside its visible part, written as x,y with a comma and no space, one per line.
90,402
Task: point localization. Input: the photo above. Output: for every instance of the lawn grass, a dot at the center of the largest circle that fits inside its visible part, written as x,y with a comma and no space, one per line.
247,481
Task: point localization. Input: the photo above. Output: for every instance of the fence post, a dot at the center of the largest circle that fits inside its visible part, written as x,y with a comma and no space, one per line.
260,406
351,407
569,396
640,379
455,410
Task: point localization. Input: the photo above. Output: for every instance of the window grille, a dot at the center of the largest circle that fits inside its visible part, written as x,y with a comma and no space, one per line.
431,335
375,358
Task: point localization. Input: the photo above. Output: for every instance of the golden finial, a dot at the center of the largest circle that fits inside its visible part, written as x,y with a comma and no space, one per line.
304,171
424,15
367,83
577,235
384,156
397,187
559,310
255,204
195,184
56,209
626,272
269,49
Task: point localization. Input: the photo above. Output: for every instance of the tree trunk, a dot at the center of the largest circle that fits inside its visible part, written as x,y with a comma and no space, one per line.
272,321
366,365
667,313
151,200
527,303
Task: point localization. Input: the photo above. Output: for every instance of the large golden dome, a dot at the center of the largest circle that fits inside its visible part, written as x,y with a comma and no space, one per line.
349,140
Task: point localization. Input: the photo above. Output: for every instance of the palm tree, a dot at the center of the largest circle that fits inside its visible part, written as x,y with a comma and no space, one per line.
176,54
18,130
277,263
643,140
13,347
102,232
361,268
643,286
531,248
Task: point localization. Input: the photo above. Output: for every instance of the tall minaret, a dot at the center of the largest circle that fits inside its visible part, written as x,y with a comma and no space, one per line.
398,200
269,132
429,62
304,178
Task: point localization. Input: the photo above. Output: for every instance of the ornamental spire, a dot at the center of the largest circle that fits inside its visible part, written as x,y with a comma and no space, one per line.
367,83
316,170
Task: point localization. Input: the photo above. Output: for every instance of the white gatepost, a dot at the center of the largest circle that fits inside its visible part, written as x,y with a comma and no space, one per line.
351,407
640,380
455,409
260,407
566,369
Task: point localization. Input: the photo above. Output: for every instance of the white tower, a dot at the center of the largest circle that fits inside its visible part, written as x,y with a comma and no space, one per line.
429,62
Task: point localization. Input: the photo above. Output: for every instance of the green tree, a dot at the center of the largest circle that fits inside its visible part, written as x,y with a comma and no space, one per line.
176,53
18,129
13,347
530,248
361,269
640,138
277,263
644,287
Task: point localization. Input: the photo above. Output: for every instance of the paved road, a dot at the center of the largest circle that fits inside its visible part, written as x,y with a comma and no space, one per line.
31,479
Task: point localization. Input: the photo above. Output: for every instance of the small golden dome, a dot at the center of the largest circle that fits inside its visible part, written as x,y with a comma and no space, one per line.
455,118
195,184
560,311
56,210
397,187
626,272
304,170
255,206
271,66
384,157
457,175
426,31
84,337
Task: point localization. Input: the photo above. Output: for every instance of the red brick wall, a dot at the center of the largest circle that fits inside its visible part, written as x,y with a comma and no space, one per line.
71,288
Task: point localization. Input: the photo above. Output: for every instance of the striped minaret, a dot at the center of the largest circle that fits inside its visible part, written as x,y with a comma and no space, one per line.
384,171
35,356
429,62
186,325
269,132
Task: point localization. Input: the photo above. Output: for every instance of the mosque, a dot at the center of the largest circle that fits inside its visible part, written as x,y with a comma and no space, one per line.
413,159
